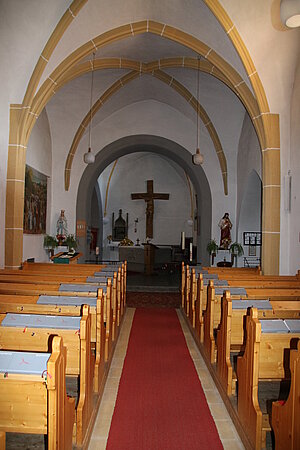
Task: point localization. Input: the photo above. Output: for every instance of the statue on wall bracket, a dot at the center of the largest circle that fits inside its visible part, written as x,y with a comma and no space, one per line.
119,227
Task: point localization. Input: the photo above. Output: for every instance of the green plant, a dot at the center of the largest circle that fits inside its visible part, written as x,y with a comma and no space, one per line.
212,247
50,241
71,242
236,249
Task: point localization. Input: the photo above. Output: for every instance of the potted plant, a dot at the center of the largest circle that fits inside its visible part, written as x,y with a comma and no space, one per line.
50,243
71,242
212,248
236,249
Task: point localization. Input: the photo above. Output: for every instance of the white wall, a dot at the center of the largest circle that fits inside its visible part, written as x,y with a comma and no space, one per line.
294,215
39,156
130,176
248,159
24,30
250,213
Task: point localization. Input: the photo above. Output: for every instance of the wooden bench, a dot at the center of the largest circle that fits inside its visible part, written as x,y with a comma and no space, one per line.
34,333
36,401
209,318
87,269
230,334
285,416
263,359
69,306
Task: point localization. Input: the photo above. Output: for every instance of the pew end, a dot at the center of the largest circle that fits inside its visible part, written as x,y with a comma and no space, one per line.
2,440
285,417
35,404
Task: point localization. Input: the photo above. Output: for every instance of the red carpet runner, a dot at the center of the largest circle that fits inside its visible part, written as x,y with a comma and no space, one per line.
160,403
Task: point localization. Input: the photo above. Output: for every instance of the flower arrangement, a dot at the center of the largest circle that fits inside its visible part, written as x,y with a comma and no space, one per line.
126,242
71,242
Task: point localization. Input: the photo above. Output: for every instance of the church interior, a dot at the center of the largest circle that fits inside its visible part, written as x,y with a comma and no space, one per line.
150,177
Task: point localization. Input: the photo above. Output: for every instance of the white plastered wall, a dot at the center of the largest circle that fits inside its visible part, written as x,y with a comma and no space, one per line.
129,176
24,32
294,215
39,157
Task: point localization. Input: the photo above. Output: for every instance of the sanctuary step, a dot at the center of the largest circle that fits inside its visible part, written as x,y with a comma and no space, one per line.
153,299
159,281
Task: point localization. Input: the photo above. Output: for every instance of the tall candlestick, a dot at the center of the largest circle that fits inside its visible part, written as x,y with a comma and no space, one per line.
182,241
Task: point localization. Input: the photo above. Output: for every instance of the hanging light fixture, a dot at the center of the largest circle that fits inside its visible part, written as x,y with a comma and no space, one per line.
198,157
290,13
89,157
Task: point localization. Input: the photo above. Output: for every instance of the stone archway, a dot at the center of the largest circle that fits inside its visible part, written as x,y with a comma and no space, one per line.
154,144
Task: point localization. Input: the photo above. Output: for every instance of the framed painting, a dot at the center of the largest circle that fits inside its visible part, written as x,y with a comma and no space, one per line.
35,202
252,238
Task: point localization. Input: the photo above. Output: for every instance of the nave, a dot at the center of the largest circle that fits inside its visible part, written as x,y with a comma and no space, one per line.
225,427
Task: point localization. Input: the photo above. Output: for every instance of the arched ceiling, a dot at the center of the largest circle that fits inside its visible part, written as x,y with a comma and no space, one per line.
142,50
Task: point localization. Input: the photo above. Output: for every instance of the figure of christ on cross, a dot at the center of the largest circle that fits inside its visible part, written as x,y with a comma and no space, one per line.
149,198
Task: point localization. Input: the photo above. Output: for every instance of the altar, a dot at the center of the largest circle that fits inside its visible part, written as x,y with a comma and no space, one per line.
134,257
145,258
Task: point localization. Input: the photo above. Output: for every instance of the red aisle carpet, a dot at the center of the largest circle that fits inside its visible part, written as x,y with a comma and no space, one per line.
160,403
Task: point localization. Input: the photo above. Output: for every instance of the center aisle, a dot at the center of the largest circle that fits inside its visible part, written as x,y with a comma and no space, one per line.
160,402
171,366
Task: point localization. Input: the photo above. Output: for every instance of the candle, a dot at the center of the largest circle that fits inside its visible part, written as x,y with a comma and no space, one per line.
97,251
182,241
191,251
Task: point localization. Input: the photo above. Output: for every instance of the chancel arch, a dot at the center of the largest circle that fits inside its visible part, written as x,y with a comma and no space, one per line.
156,145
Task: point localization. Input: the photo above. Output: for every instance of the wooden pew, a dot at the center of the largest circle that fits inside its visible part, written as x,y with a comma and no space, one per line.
33,403
285,416
230,334
86,269
212,314
263,359
69,306
28,336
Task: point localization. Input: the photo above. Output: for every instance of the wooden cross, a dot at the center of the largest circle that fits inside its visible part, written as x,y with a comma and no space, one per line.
149,198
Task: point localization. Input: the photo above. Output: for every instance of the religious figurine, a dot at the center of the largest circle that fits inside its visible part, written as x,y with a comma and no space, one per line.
61,227
225,226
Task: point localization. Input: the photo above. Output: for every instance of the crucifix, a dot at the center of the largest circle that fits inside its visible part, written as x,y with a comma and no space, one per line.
149,198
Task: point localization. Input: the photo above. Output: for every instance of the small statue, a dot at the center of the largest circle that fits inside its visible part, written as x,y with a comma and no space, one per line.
225,226
61,227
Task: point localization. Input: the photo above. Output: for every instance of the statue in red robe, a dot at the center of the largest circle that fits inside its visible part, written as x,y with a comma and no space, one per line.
225,226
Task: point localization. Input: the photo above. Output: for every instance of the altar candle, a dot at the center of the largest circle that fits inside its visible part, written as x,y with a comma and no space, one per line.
191,251
182,241
97,251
